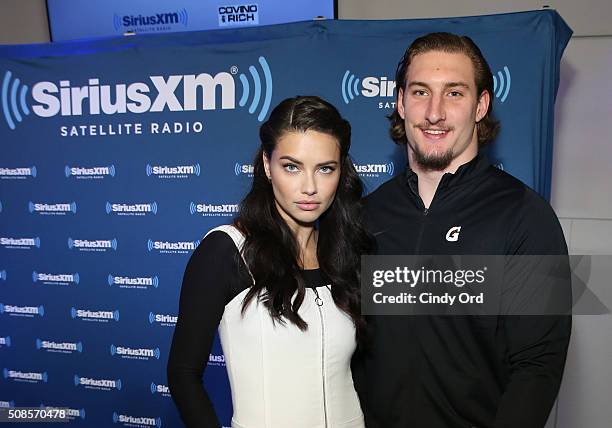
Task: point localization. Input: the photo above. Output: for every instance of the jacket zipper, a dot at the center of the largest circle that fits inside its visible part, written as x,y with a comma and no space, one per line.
319,303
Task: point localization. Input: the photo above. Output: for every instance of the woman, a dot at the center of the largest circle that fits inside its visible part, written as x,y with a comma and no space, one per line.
281,284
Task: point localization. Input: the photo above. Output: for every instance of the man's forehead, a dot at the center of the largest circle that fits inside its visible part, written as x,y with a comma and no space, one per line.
441,67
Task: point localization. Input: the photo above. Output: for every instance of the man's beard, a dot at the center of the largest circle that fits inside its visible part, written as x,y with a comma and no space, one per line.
432,161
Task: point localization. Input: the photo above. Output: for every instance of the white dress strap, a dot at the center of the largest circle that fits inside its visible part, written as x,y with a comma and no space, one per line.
236,236
232,231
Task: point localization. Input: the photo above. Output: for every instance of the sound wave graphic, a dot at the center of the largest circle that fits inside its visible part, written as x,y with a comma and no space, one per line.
183,16
153,388
116,22
257,89
17,97
151,321
501,86
349,87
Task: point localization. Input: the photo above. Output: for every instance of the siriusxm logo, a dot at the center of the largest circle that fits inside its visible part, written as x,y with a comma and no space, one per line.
153,95
165,247
98,316
135,353
3,275
216,360
5,341
162,21
160,389
23,311
7,404
31,377
375,170
19,173
178,171
101,384
163,319
52,209
20,243
70,413
209,210
62,279
94,245
136,421
131,209
96,172
60,347
352,87
238,14
501,85
246,169
133,282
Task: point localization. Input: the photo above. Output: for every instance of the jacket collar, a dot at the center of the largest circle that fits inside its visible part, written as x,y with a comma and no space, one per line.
464,173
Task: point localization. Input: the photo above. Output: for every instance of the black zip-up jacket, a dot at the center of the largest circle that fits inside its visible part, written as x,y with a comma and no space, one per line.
462,371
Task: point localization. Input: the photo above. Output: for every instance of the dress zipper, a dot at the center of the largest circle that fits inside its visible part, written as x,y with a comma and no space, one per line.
319,303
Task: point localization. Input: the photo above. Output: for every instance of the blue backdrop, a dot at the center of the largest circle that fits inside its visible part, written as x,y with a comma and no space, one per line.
119,154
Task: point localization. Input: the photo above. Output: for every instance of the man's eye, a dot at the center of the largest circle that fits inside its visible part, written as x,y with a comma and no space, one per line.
419,93
455,94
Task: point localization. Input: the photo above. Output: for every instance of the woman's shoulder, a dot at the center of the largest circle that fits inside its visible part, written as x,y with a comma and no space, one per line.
228,230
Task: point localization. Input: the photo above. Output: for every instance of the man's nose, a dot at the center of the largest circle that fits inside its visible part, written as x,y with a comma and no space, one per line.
435,110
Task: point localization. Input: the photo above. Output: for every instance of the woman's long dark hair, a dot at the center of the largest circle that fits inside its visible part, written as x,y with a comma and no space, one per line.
270,249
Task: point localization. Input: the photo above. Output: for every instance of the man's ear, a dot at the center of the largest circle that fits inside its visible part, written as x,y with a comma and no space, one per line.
400,103
483,105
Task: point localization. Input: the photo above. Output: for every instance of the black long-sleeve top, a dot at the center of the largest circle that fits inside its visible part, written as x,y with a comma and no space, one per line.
215,274
452,371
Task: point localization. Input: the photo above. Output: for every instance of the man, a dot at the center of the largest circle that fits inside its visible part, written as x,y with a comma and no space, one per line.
457,371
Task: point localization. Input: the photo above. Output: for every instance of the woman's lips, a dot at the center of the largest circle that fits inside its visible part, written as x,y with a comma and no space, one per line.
308,205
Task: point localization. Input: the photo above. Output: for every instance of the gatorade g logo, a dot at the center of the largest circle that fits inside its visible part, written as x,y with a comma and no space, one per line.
453,234
154,94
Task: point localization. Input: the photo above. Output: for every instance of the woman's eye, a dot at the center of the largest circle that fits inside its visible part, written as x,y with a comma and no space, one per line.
327,169
290,167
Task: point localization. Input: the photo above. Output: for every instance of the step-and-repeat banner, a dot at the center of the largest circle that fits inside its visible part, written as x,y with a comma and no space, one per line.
119,154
